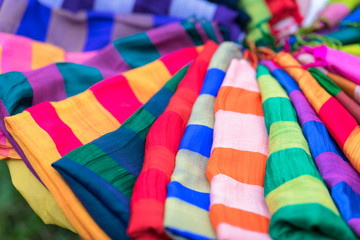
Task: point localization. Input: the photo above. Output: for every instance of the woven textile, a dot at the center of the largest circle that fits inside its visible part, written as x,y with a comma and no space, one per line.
236,167
342,126
300,205
188,193
162,143
338,174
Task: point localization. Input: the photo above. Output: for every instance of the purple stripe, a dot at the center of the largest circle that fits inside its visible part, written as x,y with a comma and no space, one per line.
201,32
165,45
269,64
109,62
305,112
47,84
129,24
152,6
334,170
3,114
75,5
355,225
227,17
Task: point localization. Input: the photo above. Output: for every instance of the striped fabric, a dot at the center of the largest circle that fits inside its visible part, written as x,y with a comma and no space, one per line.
349,87
102,173
338,174
162,143
19,91
342,126
188,193
350,105
33,54
83,31
236,167
49,130
300,205
178,9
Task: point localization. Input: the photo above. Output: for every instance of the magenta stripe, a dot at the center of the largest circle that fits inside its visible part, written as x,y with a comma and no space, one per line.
47,83
23,56
305,112
354,223
179,38
334,170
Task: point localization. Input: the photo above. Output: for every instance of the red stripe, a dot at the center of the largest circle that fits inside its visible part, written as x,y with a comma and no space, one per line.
116,96
46,117
338,121
178,59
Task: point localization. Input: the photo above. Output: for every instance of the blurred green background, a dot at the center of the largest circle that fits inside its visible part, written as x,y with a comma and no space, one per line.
18,221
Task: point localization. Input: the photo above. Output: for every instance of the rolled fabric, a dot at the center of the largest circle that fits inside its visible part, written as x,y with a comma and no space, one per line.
349,87
335,11
177,9
329,58
236,167
49,130
353,17
188,193
346,36
350,105
149,195
58,81
102,173
300,205
281,9
83,31
342,126
353,49
338,174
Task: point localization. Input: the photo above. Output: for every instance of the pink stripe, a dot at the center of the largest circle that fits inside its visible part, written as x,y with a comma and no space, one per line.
229,232
79,57
18,60
46,117
337,120
231,193
249,134
2,139
116,96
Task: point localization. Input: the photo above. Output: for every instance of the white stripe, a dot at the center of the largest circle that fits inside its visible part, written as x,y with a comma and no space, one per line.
185,8
229,232
231,193
244,132
117,6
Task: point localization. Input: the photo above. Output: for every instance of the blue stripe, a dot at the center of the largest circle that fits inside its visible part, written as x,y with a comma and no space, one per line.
197,138
35,21
186,234
212,82
285,80
320,140
100,26
160,20
199,199
347,200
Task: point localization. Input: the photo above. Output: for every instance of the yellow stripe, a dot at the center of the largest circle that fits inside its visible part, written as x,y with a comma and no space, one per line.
44,54
147,80
269,84
86,117
285,135
41,152
302,190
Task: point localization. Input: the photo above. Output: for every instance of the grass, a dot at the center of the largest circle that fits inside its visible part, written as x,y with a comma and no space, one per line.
18,221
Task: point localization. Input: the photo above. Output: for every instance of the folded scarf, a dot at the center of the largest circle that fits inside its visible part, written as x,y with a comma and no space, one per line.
83,31
330,58
349,104
102,173
236,167
57,81
300,205
188,193
54,129
349,87
338,174
162,143
341,125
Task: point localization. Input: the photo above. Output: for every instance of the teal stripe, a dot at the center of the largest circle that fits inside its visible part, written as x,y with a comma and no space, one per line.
210,32
192,32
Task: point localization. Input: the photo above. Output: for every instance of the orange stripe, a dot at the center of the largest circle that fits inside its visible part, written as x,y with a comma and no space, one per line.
346,85
246,167
230,98
239,218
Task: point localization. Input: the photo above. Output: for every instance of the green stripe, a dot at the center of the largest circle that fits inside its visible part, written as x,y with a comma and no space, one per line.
302,221
325,82
78,78
192,32
137,50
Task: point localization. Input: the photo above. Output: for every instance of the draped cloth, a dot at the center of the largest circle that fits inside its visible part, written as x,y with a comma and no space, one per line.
236,167
188,193
298,200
